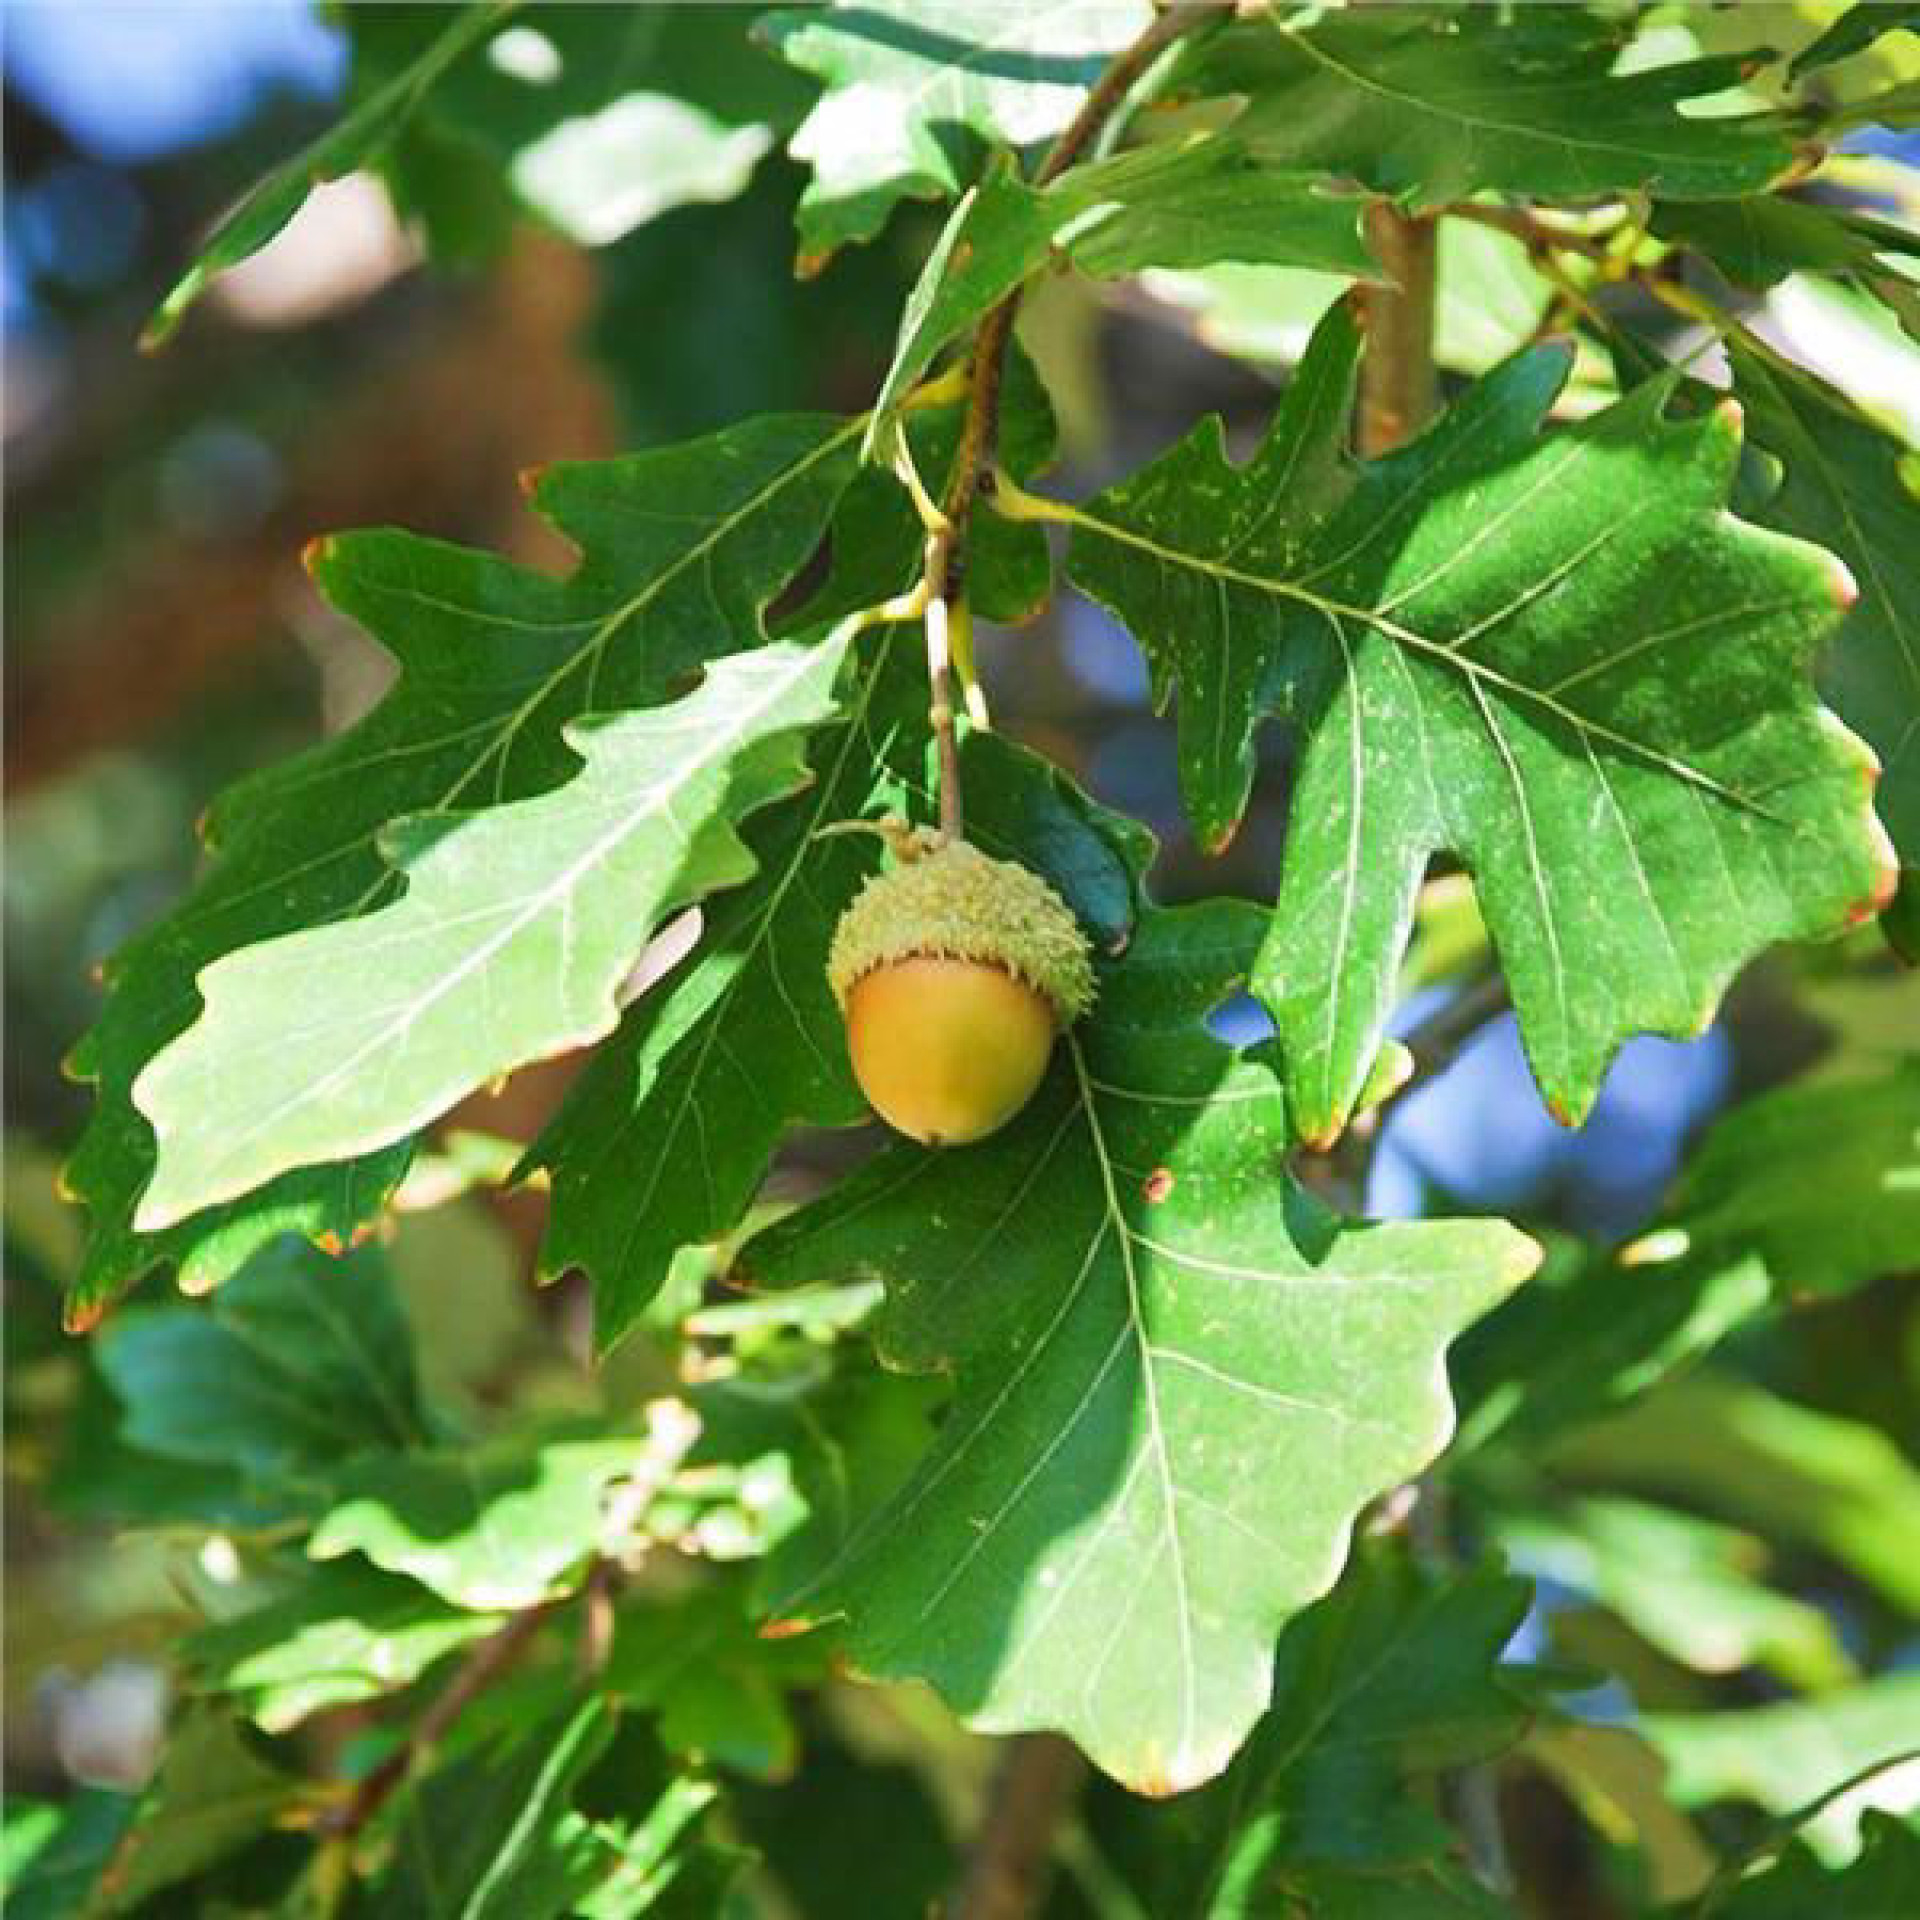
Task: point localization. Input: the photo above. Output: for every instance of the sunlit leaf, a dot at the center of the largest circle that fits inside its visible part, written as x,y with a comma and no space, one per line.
909,90
517,929
1605,713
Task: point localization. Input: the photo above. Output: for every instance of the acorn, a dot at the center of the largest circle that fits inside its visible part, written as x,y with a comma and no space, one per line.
955,972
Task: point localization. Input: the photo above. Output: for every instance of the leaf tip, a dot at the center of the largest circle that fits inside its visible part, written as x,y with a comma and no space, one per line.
528,479
787,1629
315,554
82,1313
1842,588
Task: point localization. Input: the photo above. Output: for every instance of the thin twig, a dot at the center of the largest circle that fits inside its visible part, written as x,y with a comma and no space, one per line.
1010,1861
488,1661
974,459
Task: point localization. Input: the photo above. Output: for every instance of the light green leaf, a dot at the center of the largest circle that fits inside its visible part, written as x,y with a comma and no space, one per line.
300,1362
355,141
1696,1591
344,1633
1433,103
683,548
1786,1471
1784,1756
1606,714
1821,1181
1164,206
904,85
1176,1379
600,176
501,1525
518,927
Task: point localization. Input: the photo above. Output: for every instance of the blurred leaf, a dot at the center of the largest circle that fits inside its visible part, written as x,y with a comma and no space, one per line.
54,1854
1162,206
908,94
1481,593
1782,1757
1843,487
1151,1330
501,1525
683,549
1822,1182
302,1362
353,142
1856,30
343,1633
597,118
517,929
1432,103
1697,1591
1881,1883
1786,1471
1619,1784
494,1836
211,1797
1377,1688
717,1688
1592,1335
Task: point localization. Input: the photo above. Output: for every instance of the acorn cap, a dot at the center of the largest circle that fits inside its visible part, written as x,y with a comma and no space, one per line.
960,904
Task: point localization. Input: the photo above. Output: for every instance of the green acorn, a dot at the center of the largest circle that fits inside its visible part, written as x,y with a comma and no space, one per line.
956,972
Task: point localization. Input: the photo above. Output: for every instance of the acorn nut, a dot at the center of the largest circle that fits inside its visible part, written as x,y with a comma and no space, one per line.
955,973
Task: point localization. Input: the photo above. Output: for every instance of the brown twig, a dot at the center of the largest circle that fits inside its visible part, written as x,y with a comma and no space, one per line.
1008,1866
974,459
1398,386
488,1661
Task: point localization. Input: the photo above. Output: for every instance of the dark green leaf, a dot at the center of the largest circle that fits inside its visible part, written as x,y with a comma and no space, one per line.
1605,714
517,929
211,1797
1883,1883
1759,241
1164,1354
53,1855
1377,1688
494,1836
1432,103
911,95
300,1363
682,550
354,142
1854,32
1843,487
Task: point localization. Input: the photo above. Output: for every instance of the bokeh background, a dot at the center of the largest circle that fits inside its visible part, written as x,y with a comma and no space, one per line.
162,640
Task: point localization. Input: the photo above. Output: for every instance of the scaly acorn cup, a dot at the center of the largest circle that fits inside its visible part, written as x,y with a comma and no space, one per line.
955,973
